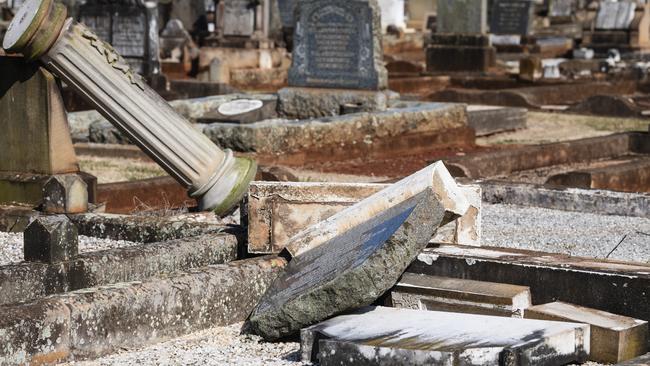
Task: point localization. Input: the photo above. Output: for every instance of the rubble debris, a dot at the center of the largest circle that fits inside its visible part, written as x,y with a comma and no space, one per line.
379,335
51,239
614,338
422,292
355,256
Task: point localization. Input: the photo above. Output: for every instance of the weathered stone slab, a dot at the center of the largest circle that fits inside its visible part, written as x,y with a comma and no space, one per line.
135,263
93,322
462,16
355,256
631,176
35,135
422,292
562,8
279,210
615,15
378,335
488,120
639,361
614,338
511,17
242,111
65,194
238,18
305,103
359,130
51,239
551,277
337,44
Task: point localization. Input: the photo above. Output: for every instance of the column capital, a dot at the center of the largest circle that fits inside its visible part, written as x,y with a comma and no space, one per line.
35,28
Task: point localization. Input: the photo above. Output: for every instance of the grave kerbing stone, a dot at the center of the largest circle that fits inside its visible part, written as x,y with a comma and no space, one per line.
337,44
350,270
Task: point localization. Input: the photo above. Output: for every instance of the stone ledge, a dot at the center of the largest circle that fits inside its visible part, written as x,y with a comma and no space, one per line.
90,323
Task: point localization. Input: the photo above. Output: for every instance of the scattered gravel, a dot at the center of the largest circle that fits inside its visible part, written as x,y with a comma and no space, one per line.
572,233
11,246
216,346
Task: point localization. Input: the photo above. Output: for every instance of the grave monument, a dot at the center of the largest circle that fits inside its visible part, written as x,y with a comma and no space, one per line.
461,42
622,25
72,52
337,57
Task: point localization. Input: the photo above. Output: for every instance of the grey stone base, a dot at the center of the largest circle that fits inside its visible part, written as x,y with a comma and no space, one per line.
305,103
94,322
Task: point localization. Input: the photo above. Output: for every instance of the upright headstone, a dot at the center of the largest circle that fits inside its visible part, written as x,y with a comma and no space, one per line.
392,14
615,15
287,9
462,16
130,26
239,18
562,8
512,17
337,44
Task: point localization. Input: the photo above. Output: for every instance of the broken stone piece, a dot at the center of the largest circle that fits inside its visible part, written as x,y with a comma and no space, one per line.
50,239
65,194
614,338
435,177
350,270
388,336
422,292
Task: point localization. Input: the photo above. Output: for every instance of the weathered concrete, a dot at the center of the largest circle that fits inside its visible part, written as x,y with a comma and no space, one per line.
142,229
502,162
94,322
279,210
614,338
568,199
306,103
639,361
355,134
633,176
551,277
422,292
387,336
27,281
488,120
14,219
25,189
51,239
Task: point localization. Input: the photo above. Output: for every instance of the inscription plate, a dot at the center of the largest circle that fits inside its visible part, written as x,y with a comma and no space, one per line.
350,270
511,17
238,18
462,16
335,45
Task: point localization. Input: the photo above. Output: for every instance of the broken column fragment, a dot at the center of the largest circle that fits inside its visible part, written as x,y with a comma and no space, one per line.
93,68
355,256
387,336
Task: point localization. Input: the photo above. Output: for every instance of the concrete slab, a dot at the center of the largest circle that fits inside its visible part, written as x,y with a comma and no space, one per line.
551,277
633,176
422,292
377,335
488,120
614,338
279,210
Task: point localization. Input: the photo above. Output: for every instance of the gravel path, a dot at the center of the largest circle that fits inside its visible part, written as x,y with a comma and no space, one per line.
216,346
573,233
11,246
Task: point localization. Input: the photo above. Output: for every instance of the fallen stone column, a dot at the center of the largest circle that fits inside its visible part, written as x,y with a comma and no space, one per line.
95,70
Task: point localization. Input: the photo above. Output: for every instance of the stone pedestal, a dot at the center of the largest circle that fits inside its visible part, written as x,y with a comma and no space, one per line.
460,52
95,70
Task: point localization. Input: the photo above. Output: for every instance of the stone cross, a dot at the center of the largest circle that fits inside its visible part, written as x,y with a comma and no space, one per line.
94,69
337,44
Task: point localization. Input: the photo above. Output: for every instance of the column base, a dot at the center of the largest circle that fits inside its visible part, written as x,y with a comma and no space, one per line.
230,188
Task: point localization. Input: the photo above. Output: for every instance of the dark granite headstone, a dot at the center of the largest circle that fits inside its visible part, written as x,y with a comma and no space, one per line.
351,270
511,17
125,24
337,44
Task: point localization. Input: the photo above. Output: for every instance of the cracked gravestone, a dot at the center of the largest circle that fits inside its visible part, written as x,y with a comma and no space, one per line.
353,262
